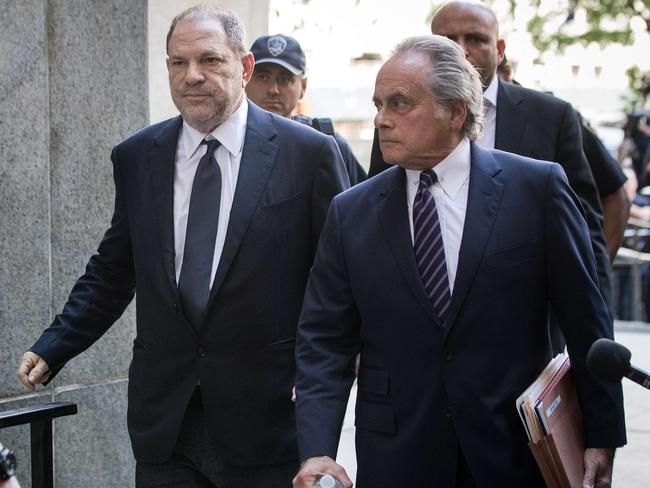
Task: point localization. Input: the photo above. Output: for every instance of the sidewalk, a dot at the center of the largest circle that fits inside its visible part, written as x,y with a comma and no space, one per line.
632,465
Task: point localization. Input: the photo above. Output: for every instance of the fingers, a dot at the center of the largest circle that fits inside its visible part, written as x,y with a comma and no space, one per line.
342,476
24,369
590,475
293,394
313,468
598,468
32,370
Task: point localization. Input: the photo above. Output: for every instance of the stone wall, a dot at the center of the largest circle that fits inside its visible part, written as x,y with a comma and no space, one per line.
73,83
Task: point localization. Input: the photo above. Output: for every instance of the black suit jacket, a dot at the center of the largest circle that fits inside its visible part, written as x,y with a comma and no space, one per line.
607,171
540,126
244,354
426,387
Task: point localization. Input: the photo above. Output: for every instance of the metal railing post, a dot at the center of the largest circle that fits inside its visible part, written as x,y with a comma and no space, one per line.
40,419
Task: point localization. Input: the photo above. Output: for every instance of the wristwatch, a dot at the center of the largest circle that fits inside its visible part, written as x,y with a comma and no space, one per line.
7,464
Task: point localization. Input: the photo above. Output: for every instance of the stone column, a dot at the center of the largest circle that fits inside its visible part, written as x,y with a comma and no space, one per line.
73,83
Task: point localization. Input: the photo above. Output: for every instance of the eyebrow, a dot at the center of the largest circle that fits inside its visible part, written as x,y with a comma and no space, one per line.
482,35
456,35
397,94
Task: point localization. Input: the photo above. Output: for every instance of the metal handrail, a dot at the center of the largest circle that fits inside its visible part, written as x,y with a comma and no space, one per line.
40,419
634,260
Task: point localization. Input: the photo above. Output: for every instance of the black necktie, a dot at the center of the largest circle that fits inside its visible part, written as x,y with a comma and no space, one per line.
200,236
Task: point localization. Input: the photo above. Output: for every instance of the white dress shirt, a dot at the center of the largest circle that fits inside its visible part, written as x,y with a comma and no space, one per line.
189,152
488,134
450,193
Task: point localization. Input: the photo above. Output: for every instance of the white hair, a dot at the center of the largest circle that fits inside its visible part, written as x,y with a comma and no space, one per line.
452,79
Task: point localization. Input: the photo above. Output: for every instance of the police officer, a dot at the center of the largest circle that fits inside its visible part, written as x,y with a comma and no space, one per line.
279,83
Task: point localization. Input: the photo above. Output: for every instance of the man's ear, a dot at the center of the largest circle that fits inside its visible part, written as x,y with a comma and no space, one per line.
248,64
303,87
457,115
501,50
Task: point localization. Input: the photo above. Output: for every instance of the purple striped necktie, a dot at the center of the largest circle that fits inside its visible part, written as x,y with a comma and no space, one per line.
428,245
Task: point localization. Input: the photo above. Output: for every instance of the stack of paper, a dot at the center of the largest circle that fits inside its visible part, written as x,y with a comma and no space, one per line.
550,412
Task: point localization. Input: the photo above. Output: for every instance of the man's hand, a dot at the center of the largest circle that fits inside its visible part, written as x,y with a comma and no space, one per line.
598,468
32,370
315,467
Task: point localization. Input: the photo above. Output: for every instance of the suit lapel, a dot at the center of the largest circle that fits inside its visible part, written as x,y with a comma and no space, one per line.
511,119
258,159
161,158
483,200
394,220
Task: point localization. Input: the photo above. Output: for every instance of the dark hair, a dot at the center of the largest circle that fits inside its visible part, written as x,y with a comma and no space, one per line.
234,28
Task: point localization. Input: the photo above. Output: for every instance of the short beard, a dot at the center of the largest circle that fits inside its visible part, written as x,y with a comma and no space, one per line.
224,109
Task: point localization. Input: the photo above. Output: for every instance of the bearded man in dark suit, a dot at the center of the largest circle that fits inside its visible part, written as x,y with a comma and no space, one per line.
217,216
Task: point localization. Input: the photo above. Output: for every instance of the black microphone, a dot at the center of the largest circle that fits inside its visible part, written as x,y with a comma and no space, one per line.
610,361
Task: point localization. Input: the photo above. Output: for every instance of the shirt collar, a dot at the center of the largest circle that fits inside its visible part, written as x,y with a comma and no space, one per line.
230,133
490,93
452,172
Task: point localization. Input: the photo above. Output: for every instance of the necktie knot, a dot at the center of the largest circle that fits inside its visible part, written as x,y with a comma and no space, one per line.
428,178
212,144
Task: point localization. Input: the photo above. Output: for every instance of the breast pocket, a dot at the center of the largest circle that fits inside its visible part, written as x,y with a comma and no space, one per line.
288,343
514,255
281,204
283,213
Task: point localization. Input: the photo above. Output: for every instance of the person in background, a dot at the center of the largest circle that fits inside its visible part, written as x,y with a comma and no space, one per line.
607,172
446,290
217,216
610,180
505,72
279,82
636,145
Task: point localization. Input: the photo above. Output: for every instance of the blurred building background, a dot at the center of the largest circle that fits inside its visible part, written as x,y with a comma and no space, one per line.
347,41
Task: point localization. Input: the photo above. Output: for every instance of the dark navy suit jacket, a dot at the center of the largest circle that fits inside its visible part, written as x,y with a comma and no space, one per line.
426,387
540,126
243,355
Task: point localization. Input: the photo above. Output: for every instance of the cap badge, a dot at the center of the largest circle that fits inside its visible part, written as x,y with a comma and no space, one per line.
276,45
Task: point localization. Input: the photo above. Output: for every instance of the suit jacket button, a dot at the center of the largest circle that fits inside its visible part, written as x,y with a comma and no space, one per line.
201,352
448,413
448,356
175,307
